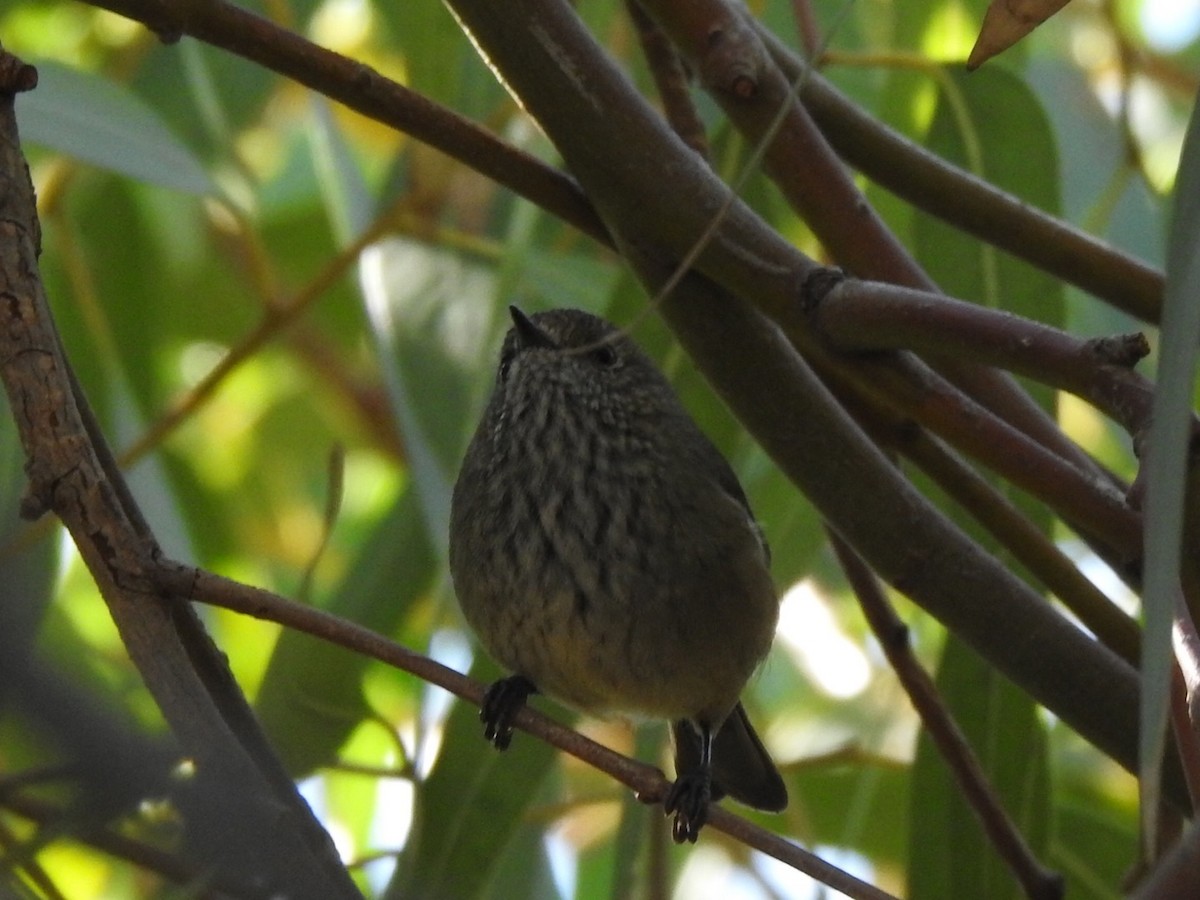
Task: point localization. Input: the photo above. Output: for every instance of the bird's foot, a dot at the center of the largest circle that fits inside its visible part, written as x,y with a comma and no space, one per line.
688,798
500,705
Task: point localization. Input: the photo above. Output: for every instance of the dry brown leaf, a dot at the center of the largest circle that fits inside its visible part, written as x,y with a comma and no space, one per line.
1006,22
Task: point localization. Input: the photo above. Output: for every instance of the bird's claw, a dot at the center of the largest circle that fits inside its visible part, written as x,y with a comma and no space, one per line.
688,798
500,705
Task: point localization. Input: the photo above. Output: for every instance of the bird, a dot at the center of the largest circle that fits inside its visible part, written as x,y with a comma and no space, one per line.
603,552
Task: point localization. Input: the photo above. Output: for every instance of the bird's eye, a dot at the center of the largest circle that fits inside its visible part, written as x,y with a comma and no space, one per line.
605,355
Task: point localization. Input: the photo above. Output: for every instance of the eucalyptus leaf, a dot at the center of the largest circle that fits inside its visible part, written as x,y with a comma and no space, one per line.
311,697
470,808
103,123
949,855
1166,469
991,124
432,315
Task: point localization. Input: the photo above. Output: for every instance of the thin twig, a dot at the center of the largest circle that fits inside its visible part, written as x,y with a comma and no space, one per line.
364,90
276,319
13,857
670,78
165,864
1037,881
967,202
648,782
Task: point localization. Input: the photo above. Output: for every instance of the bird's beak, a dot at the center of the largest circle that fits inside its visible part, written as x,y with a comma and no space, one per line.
529,334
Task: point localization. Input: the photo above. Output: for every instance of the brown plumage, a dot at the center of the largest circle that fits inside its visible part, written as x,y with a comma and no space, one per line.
604,552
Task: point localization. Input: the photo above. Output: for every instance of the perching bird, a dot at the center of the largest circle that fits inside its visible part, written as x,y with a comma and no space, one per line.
604,552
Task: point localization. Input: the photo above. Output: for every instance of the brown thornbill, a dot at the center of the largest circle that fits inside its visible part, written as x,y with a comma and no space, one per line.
604,552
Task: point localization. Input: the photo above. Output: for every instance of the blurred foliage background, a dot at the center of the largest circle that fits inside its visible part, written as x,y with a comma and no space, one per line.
203,220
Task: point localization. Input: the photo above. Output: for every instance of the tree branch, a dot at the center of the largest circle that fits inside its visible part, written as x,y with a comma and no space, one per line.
71,472
1011,528
539,45
721,41
863,316
971,204
951,743
646,781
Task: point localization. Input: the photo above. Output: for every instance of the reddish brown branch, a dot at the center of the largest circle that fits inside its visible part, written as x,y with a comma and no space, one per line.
670,78
71,472
1094,507
860,315
646,781
967,202
951,743
361,88
1177,873
722,40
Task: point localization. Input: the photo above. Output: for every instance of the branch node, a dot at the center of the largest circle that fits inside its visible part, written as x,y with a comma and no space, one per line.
733,60
1125,350
34,503
16,76
817,285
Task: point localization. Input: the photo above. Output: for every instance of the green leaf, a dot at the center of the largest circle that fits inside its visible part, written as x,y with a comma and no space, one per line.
991,124
27,567
469,809
857,804
1095,836
1166,468
524,868
619,868
432,315
105,124
949,855
311,696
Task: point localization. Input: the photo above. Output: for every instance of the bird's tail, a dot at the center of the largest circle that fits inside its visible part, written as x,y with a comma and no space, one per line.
741,767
